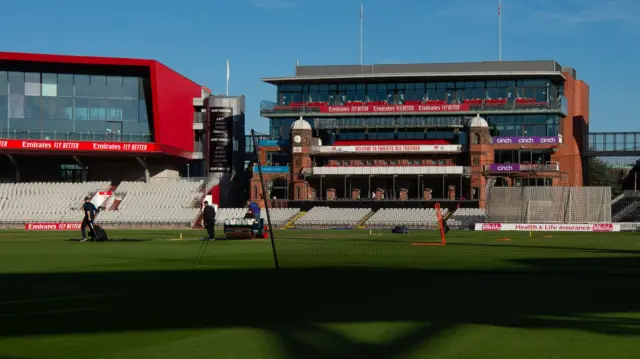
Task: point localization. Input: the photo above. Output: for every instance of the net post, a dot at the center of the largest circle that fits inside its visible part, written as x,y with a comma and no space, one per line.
529,212
266,202
443,239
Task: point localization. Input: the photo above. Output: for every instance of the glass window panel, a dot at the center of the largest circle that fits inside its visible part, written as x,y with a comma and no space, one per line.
16,106
57,108
82,106
82,85
49,85
65,108
4,83
540,94
143,115
65,85
525,156
32,86
16,83
32,107
114,110
4,108
98,109
114,87
98,86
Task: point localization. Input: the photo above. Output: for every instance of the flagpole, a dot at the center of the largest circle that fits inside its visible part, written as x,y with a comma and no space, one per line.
361,14
500,30
227,90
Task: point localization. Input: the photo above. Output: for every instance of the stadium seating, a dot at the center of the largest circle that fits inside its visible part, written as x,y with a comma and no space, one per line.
279,216
44,201
319,217
466,218
163,203
410,217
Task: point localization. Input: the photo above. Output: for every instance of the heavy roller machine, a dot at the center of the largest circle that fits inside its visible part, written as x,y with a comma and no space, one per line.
245,228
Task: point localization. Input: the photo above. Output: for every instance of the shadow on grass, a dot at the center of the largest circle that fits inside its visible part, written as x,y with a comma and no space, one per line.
575,249
293,303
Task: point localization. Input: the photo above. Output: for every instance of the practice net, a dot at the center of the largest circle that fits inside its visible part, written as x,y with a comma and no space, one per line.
573,215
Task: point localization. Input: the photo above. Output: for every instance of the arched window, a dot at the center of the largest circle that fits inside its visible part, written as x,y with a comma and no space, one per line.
475,138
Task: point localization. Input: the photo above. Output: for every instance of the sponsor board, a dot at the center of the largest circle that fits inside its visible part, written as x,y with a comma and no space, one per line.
46,145
531,140
393,108
51,226
387,149
526,227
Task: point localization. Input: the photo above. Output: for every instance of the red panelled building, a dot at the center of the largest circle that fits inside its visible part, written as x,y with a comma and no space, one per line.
422,132
78,118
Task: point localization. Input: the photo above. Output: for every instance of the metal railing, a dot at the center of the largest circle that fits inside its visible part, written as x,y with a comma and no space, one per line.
74,136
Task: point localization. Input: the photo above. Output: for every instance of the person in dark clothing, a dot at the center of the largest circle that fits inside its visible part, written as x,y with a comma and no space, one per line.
89,211
209,219
254,209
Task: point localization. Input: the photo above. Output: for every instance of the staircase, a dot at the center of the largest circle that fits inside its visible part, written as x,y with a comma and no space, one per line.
365,219
293,220
115,205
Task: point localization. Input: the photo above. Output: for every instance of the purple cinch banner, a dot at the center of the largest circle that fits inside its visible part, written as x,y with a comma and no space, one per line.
504,168
526,140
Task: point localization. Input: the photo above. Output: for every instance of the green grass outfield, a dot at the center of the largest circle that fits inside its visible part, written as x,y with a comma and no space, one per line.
339,294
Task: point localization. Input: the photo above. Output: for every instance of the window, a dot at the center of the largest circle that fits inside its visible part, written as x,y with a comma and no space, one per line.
142,112
130,87
32,85
4,83
98,86
49,85
16,83
82,85
4,108
57,108
82,109
16,106
65,85
114,87
32,107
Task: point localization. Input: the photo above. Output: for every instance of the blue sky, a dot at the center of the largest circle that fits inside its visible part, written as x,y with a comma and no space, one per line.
265,38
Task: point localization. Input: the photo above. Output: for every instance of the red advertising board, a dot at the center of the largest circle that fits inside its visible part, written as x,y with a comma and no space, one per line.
88,146
394,108
51,226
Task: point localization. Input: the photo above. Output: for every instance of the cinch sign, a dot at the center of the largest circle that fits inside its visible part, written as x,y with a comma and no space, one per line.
527,227
504,168
46,145
51,226
527,140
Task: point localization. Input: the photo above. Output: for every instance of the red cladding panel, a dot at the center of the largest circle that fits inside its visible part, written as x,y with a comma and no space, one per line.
67,59
172,97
